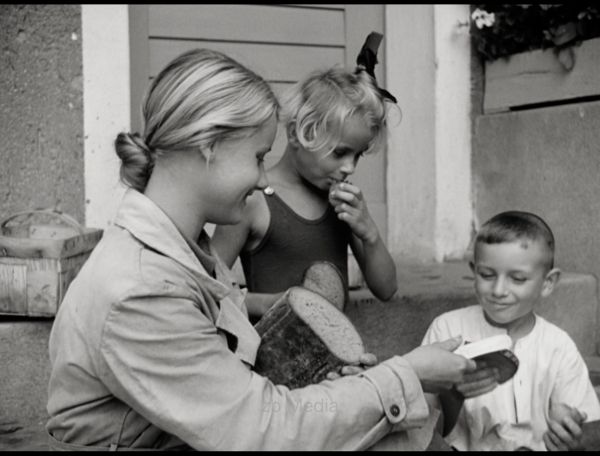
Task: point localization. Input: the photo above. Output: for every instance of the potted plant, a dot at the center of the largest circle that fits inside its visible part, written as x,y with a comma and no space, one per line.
537,53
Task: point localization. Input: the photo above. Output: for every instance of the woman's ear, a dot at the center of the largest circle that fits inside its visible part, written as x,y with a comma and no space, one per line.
550,281
290,129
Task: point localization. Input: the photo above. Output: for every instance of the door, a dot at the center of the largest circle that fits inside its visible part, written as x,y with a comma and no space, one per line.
282,43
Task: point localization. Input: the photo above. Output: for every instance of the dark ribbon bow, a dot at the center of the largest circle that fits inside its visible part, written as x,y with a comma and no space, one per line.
367,59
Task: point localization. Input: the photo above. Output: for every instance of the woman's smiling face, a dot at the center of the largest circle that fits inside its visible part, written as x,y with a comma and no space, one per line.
235,171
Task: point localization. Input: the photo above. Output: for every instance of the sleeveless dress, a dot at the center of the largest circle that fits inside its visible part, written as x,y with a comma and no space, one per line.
291,244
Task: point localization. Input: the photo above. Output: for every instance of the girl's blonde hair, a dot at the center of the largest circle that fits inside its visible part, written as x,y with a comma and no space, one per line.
317,107
200,98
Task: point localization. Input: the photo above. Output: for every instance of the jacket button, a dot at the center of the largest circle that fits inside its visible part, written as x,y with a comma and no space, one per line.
395,410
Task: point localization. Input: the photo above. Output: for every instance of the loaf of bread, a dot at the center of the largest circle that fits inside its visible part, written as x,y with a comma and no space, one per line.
303,337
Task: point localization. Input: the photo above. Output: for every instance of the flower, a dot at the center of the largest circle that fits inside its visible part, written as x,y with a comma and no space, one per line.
500,30
482,18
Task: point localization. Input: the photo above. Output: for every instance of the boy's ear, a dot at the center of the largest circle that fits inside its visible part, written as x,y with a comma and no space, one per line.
552,278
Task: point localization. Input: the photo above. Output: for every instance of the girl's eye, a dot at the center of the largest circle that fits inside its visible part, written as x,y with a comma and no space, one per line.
486,275
519,279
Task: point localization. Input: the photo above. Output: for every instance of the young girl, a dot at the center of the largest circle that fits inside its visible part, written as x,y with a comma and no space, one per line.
310,212
152,347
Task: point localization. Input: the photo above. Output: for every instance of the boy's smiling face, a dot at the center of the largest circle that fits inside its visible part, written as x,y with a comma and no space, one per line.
510,279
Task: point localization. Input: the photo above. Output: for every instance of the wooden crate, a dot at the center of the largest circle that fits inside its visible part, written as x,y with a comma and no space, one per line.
41,252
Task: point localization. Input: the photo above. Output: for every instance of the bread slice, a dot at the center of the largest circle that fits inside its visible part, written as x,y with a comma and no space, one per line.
494,351
303,337
326,279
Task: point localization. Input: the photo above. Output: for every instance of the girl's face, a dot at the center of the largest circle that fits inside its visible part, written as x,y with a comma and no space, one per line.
235,171
323,168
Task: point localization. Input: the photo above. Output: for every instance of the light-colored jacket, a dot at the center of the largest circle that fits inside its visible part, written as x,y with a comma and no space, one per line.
149,351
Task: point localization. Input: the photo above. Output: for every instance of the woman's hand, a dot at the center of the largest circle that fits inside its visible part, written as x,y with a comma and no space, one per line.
437,367
365,361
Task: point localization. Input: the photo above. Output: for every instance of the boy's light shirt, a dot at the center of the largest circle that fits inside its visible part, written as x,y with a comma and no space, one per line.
515,413
151,325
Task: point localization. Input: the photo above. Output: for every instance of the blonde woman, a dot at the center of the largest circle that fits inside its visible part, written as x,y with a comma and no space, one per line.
152,347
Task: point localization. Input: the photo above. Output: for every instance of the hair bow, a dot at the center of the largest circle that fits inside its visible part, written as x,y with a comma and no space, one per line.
367,59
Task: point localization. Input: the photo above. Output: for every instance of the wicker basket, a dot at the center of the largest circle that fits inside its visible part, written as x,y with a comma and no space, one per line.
39,259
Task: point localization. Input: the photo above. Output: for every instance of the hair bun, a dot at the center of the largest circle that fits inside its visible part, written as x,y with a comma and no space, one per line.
137,160
137,139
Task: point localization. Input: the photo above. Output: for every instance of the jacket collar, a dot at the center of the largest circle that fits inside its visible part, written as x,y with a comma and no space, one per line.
139,215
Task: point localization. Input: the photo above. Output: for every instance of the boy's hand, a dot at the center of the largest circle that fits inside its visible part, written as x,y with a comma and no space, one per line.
349,204
366,361
437,367
564,428
480,381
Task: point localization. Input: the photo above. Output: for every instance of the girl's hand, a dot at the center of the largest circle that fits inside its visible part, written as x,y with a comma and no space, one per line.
349,204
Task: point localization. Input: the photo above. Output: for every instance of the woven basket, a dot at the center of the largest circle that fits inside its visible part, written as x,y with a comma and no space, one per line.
41,252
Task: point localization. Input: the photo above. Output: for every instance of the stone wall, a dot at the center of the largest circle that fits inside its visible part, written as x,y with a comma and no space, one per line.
546,161
41,109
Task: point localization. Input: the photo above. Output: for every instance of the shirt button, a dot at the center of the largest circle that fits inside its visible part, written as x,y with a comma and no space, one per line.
395,410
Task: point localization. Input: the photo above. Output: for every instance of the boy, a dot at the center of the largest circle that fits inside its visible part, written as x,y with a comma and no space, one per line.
545,404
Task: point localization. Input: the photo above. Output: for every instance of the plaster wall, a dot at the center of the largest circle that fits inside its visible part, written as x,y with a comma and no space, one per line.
107,107
41,106
452,132
545,161
410,76
428,162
